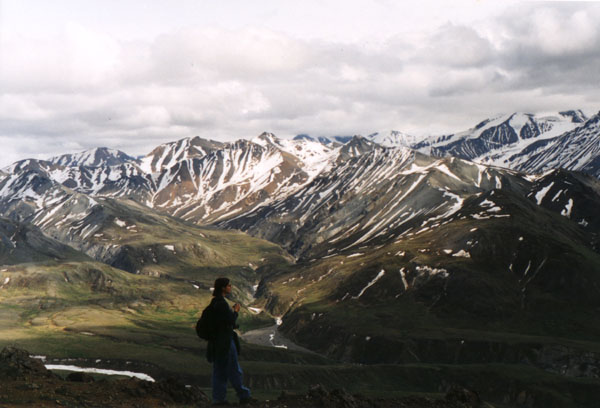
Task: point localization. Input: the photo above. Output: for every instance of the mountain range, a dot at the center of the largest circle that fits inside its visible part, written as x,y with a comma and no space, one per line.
470,248
273,187
525,142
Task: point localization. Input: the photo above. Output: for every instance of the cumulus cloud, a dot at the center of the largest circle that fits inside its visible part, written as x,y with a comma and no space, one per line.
459,46
559,30
555,47
84,88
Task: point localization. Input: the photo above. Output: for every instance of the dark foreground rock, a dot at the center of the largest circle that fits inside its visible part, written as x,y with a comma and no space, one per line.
25,382
319,397
16,364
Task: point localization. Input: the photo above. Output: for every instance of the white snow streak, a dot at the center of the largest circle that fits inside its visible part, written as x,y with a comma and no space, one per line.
444,169
141,376
539,196
462,253
403,276
568,208
379,276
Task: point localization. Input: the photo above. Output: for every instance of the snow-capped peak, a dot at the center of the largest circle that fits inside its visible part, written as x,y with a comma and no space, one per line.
266,138
101,156
498,140
393,138
168,154
577,116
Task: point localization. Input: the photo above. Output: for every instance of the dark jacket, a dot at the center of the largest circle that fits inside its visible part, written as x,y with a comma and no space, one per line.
218,347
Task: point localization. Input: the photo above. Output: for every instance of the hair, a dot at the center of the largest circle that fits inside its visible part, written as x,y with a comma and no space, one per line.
220,284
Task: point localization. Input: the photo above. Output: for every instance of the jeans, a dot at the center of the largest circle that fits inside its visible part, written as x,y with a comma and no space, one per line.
228,369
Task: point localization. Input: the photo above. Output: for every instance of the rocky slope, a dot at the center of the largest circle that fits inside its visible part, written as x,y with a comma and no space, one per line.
400,257
526,142
25,381
574,150
404,257
385,194
493,140
193,179
21,242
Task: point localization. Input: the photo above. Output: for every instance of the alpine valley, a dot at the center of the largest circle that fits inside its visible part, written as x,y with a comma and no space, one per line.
399,265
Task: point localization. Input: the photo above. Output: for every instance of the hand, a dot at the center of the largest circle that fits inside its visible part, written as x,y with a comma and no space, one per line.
236,307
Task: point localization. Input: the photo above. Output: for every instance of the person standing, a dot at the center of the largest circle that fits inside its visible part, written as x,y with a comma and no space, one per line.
223,349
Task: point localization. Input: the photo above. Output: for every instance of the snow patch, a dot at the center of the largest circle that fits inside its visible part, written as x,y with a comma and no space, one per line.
403,276
428,270
557,195
539,196
568,208
141,376
120,223
325,275
444,169
462,253
487,203
379,276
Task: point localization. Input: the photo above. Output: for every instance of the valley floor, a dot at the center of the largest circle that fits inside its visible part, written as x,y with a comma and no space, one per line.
271,337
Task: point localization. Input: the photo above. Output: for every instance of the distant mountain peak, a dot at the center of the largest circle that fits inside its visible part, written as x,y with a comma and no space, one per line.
504,140
96,157
304,136
393,138
577,116
326,140
576,149
357,146
168,154
266,138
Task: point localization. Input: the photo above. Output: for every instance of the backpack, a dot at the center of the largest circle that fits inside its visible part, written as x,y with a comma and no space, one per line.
206,325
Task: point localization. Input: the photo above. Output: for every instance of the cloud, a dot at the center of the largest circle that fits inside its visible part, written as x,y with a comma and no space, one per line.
460,47
206,54
84,88
560,30
555,47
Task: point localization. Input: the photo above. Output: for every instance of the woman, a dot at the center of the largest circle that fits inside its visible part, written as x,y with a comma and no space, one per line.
224,347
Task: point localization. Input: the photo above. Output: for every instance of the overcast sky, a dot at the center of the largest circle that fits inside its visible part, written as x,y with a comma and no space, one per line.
133,74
